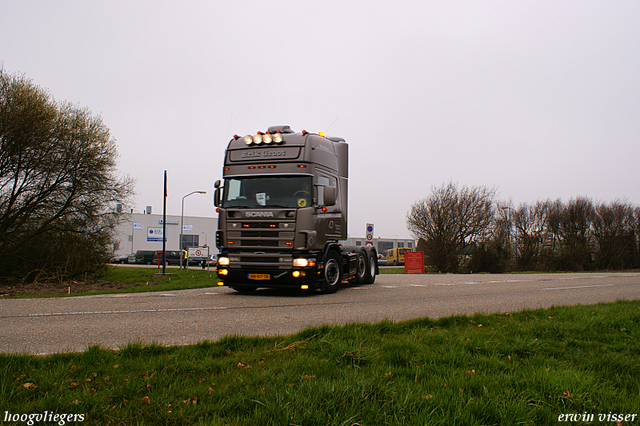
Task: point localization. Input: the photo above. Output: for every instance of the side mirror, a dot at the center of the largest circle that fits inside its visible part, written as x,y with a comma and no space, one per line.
329,195
217,201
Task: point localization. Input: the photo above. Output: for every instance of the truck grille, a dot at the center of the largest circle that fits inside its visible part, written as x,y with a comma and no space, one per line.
260,243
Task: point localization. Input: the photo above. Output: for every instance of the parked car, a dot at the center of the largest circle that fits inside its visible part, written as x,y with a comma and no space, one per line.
212,260
144,257
173,257
382,259
123,258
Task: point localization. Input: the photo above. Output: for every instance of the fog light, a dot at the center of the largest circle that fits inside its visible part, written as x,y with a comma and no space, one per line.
220,283
296,274
223,272
304,287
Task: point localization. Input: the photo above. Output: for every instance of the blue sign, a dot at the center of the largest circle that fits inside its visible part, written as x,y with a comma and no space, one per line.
154,234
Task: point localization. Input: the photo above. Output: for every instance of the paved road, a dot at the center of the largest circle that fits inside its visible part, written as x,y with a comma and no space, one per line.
40,326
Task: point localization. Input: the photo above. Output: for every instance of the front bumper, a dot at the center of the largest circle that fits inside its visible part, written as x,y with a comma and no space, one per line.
297,278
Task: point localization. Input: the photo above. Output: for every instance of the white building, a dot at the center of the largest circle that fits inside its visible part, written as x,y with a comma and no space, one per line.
382,244
144,232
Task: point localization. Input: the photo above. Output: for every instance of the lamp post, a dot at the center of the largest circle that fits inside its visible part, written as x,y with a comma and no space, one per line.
182,226
508,209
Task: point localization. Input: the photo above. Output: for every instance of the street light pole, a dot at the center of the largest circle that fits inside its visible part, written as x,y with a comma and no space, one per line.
508,209
182,226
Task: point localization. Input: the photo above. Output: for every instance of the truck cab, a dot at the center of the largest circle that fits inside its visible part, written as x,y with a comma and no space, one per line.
282,212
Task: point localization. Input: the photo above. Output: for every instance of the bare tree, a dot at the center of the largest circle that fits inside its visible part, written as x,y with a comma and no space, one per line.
530,225
58,184
614,229
451,221
571,228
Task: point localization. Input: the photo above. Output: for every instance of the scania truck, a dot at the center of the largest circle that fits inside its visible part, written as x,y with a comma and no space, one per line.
282,212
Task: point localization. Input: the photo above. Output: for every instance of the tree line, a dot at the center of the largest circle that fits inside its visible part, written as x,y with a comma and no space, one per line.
468,230
59,186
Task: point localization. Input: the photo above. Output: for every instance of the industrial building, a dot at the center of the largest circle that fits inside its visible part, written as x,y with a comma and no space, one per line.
144,232
382,244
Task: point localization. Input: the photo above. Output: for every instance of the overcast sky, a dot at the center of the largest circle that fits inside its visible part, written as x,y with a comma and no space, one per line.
540,99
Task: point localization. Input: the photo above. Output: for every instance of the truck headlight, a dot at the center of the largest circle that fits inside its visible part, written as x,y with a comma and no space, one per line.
223,261
303,263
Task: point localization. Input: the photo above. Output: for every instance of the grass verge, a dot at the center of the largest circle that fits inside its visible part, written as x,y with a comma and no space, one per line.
528,367
118,280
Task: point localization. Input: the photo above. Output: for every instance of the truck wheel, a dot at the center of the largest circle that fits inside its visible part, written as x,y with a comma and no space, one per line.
362,265
372,268
332,275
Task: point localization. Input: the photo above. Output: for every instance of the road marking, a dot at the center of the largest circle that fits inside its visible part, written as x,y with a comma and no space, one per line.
132,311
579,286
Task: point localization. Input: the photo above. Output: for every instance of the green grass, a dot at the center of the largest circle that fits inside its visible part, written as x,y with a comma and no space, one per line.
179,278
526,368
128,280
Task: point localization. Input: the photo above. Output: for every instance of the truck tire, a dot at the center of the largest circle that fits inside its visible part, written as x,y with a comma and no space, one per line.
362,267
372,268
332,273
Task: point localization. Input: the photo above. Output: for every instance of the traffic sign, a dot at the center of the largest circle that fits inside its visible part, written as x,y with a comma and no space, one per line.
369,234
198,252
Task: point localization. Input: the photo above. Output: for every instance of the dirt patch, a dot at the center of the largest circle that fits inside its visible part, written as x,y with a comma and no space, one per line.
73,287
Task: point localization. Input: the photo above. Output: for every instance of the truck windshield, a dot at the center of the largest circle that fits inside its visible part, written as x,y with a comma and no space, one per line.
268,192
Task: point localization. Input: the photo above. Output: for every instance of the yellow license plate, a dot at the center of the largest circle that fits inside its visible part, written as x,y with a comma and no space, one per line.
259,276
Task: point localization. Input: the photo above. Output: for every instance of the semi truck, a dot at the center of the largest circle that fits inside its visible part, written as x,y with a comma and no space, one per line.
282,213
